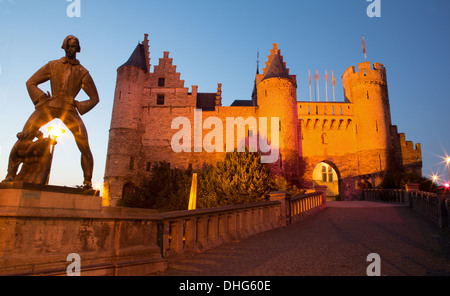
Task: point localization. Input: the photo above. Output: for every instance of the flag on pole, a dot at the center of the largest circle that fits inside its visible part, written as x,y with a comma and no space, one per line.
364,47
326,85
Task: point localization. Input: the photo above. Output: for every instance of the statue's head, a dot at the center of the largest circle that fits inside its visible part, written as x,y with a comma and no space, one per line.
71,45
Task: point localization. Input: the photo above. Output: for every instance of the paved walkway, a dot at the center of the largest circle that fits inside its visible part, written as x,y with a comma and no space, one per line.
336,241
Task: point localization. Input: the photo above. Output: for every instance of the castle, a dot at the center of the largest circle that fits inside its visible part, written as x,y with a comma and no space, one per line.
345,145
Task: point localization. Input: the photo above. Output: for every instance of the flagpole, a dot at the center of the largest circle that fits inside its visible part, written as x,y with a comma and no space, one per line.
318,90
310,94
334,82
326,85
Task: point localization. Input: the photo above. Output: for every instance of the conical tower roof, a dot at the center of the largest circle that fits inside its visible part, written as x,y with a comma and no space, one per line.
137,58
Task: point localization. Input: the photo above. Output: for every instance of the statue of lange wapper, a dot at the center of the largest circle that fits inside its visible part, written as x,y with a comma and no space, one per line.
67,77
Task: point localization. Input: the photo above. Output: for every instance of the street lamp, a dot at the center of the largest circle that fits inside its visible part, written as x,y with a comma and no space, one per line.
54,132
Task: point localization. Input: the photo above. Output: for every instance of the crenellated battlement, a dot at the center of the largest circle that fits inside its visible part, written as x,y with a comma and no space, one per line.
365,73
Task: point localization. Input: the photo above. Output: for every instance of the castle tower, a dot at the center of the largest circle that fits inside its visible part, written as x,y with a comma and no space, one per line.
277,97
367,90
125,132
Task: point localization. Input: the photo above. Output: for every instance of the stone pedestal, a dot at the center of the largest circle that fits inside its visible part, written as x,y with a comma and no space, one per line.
23,196
41,225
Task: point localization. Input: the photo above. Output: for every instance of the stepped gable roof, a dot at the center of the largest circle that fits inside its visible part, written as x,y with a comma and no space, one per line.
277,68
206,101
137,58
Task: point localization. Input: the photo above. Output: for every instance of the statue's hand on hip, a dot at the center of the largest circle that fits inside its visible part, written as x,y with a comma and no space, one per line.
43,100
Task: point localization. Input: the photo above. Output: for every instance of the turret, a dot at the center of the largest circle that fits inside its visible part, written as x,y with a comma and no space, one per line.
124,134
367,90
277,97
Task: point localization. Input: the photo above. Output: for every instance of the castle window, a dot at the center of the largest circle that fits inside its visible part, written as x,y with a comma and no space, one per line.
376,123
148,166
131,164
327,173
340,108
161,82
332,110
160,100
367,94
281,161
265,92
309,110
128,190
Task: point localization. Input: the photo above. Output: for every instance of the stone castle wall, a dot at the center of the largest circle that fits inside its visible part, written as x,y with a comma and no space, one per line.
355,137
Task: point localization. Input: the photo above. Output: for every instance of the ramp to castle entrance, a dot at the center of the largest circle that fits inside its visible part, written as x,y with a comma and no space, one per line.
333,242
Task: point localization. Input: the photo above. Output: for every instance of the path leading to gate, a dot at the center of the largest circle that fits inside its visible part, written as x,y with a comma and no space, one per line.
336,241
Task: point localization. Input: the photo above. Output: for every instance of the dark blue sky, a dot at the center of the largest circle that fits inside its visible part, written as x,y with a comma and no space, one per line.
216,42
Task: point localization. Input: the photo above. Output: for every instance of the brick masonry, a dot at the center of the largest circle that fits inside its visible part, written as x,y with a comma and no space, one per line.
355,137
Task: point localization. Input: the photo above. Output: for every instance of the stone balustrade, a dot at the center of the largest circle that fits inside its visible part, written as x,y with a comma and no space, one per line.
39,229
431,205
184,232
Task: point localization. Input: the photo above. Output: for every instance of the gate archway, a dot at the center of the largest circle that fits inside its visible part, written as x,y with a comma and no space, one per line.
325,173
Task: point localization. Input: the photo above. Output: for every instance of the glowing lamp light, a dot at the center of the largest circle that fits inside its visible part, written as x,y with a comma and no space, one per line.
56,132
447,185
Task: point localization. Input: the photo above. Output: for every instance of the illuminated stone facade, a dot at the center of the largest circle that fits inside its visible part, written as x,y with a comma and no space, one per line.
344,145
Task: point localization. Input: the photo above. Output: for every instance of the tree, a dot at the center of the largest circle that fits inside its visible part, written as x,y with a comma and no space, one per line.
166,190
239,179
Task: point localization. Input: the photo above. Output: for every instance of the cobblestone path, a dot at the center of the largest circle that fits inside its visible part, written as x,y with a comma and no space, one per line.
336,241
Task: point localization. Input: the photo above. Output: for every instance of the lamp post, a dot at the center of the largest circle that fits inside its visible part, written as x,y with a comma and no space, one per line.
54,132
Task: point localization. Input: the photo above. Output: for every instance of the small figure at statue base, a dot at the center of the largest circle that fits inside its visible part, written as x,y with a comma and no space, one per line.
35,157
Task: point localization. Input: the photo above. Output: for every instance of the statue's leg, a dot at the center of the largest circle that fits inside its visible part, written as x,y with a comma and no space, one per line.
74,123
39,118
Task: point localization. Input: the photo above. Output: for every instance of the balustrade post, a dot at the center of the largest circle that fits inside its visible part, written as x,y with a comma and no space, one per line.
202,232
190,234
323,190
213,229
176,230
284,198
232,227
223,227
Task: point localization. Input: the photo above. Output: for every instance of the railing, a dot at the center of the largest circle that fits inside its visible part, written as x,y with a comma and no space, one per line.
431,205
305,205
184,232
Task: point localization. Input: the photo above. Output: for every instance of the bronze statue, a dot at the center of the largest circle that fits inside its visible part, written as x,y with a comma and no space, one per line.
67,77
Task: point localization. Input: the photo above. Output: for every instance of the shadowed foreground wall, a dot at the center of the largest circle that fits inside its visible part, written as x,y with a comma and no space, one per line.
39,229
